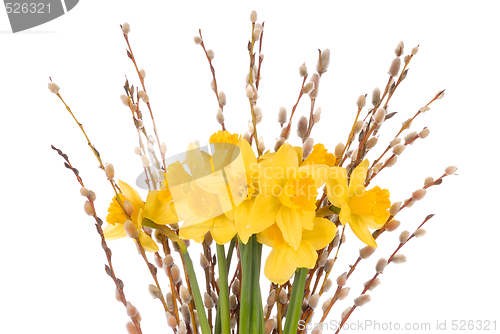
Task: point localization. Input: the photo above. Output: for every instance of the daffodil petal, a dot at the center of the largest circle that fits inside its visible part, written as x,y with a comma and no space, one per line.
195,230
223,230
307,219
304,257
289,222
277,268
249,158
271,237
318,172
362,231
336,186
242,220
284,163
147,243
114,232
131,194
322,233
263,213
158,211
358,178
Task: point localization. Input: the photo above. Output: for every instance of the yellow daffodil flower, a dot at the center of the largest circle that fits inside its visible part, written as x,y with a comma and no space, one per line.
360,208
287,195
284,259
154,209
320,156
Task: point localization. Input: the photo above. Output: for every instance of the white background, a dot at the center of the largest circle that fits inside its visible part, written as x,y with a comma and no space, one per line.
52,266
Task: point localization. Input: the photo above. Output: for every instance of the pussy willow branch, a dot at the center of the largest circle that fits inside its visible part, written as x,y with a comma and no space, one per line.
97,155
405,126
212,69
109,268
260,58
130,54
294,108
377,274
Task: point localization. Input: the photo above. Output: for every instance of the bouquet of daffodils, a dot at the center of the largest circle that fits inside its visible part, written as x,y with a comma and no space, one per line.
238,201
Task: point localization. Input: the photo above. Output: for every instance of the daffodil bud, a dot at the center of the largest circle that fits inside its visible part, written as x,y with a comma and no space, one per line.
197,40
53,88
417,195
154,291
126,28
366,252
303,70
420,233
219,117
403,237
143,74
362,300
392,225
125,100
450,170
394,68
399,258
380,266
210,54
222,98
87,207
361,101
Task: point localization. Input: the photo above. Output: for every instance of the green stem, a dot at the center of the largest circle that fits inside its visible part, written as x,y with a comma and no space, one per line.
257,316
198,301
246,287
293,313
230,253
223,290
